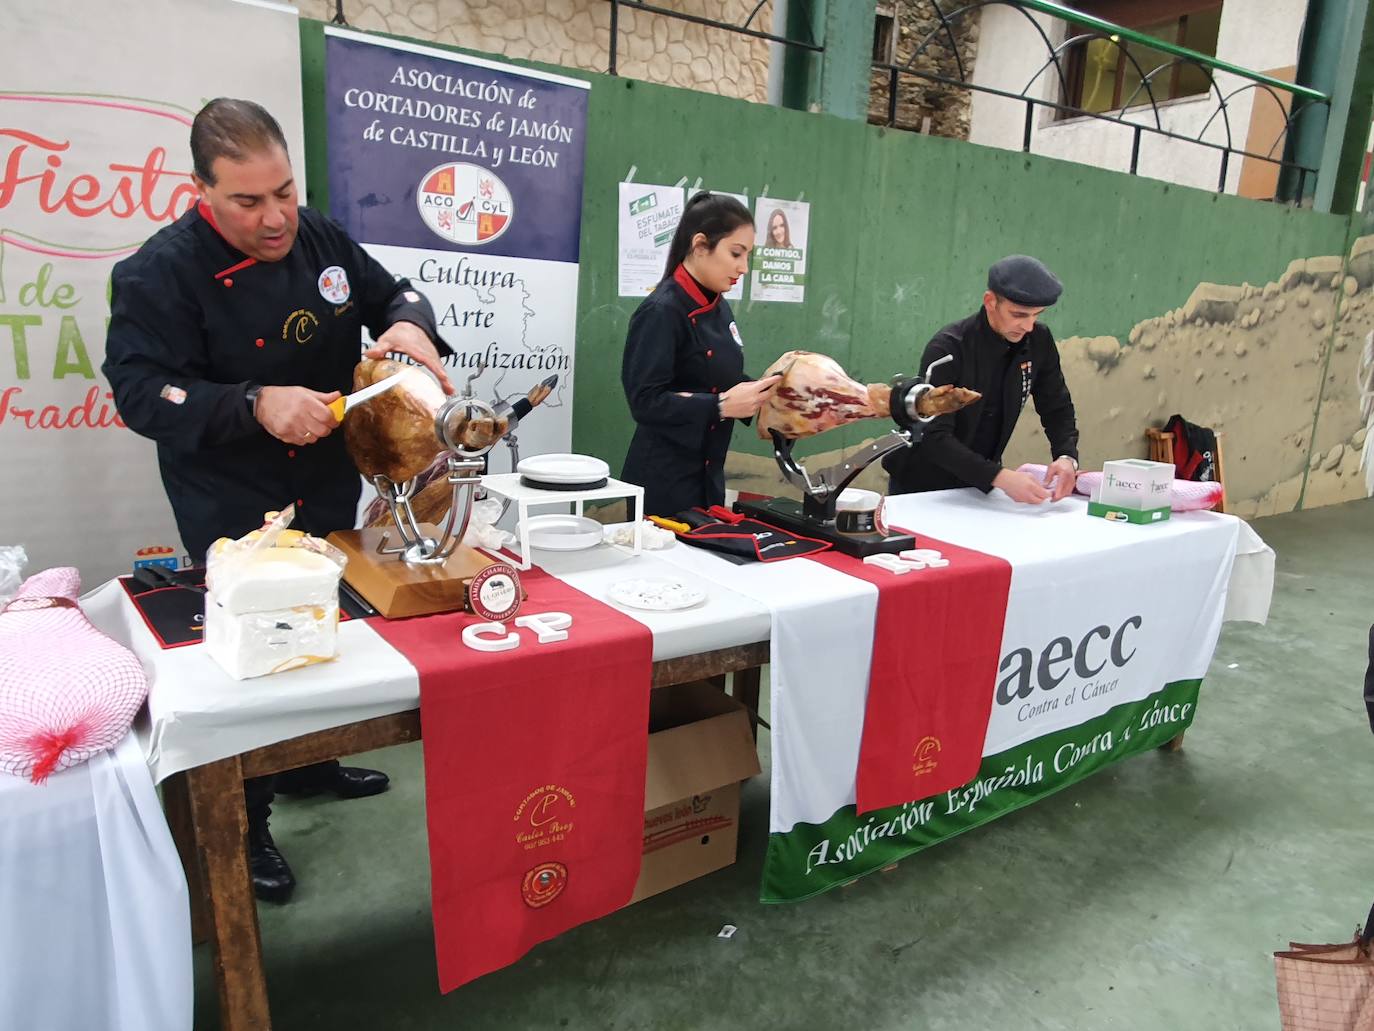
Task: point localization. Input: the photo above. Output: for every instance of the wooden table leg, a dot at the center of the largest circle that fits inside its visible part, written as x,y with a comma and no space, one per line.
1175,745
177,804
221,825
746,692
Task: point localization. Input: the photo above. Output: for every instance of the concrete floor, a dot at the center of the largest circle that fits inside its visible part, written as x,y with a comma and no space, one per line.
1149,897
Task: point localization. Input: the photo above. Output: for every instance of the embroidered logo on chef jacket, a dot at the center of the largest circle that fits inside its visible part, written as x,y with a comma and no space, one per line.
1025,381
734,332
173,394
299,326
334,285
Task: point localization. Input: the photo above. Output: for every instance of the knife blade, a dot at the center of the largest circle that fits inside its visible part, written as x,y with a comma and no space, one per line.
348,402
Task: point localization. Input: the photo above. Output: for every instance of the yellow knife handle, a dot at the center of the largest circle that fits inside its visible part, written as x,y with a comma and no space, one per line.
670,524
337,407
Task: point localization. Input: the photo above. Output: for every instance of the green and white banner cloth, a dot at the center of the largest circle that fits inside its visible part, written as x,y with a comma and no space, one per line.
1108,633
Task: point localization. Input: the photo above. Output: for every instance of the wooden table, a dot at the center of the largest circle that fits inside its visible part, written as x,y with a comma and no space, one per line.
205,809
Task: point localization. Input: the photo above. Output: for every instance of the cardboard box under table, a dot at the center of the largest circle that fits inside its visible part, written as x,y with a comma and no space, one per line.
700,748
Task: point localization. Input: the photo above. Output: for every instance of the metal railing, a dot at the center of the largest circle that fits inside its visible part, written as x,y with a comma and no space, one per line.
1304,99
809,44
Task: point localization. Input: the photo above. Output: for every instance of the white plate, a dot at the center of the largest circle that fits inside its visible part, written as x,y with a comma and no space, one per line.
656,594
564,468
563,532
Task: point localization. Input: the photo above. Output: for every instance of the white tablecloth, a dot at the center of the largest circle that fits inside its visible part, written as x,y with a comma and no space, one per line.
95,931
197,714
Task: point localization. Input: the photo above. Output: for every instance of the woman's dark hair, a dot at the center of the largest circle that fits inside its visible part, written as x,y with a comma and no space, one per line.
713,215
232,129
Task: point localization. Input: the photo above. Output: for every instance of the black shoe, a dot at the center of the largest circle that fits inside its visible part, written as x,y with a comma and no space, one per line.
343,781
272,878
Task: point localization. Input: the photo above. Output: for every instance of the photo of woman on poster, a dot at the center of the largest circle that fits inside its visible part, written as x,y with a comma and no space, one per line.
779,233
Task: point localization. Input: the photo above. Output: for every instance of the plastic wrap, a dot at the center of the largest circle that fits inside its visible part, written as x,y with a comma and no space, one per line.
12,562
1184,495
482,531
273,601
652,538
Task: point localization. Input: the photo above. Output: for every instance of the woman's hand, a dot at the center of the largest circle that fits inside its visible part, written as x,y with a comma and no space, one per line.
743,400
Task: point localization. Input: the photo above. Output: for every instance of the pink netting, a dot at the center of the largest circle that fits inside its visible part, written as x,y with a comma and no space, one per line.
1185,495
66,690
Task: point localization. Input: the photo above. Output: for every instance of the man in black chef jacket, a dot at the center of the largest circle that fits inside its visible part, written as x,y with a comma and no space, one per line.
1004,354
230,332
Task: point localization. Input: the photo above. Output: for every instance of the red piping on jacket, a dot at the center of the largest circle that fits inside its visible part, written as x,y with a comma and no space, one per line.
684,279
203,209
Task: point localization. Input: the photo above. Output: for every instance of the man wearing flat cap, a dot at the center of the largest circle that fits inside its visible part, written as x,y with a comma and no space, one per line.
1004,354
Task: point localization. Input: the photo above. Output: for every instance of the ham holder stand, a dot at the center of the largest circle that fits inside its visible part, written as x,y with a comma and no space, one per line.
429,568
815,516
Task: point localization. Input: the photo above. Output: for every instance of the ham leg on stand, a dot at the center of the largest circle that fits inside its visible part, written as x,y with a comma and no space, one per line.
816,395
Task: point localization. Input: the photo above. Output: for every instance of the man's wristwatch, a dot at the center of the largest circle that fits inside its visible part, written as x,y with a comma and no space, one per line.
250,397
1071,459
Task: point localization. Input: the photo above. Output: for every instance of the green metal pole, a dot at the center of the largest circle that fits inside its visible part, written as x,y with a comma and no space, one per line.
1347,132
801,68
848,57
1319,53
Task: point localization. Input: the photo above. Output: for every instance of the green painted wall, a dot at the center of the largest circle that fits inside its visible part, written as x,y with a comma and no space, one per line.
903,228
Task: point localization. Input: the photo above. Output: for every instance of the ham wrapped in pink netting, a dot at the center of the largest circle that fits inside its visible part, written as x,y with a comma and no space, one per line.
66,690
1184,496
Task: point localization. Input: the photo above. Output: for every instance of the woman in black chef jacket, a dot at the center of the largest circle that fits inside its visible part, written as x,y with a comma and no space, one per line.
683,369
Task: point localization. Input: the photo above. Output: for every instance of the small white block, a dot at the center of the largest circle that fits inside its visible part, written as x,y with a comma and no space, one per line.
475,637
550,626
926,555
891,563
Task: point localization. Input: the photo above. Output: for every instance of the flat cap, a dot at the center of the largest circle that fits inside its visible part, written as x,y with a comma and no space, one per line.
1025,280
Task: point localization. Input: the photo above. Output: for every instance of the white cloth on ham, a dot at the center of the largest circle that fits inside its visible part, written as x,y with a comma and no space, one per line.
815,395
67,692
1184,496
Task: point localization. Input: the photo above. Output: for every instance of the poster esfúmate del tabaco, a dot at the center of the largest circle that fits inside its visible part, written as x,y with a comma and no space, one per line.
648,217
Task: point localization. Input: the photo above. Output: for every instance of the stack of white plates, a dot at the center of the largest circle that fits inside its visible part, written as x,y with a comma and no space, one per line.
563,532
563,472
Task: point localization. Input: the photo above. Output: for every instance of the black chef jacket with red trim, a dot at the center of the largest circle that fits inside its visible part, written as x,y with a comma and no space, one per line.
682,340
194,322
964,448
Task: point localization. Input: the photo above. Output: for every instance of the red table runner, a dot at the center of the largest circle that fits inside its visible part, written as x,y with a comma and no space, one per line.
534,775
936,645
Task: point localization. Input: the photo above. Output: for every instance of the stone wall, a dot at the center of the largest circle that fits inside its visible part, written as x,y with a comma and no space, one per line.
947,107
1257,363
576,34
